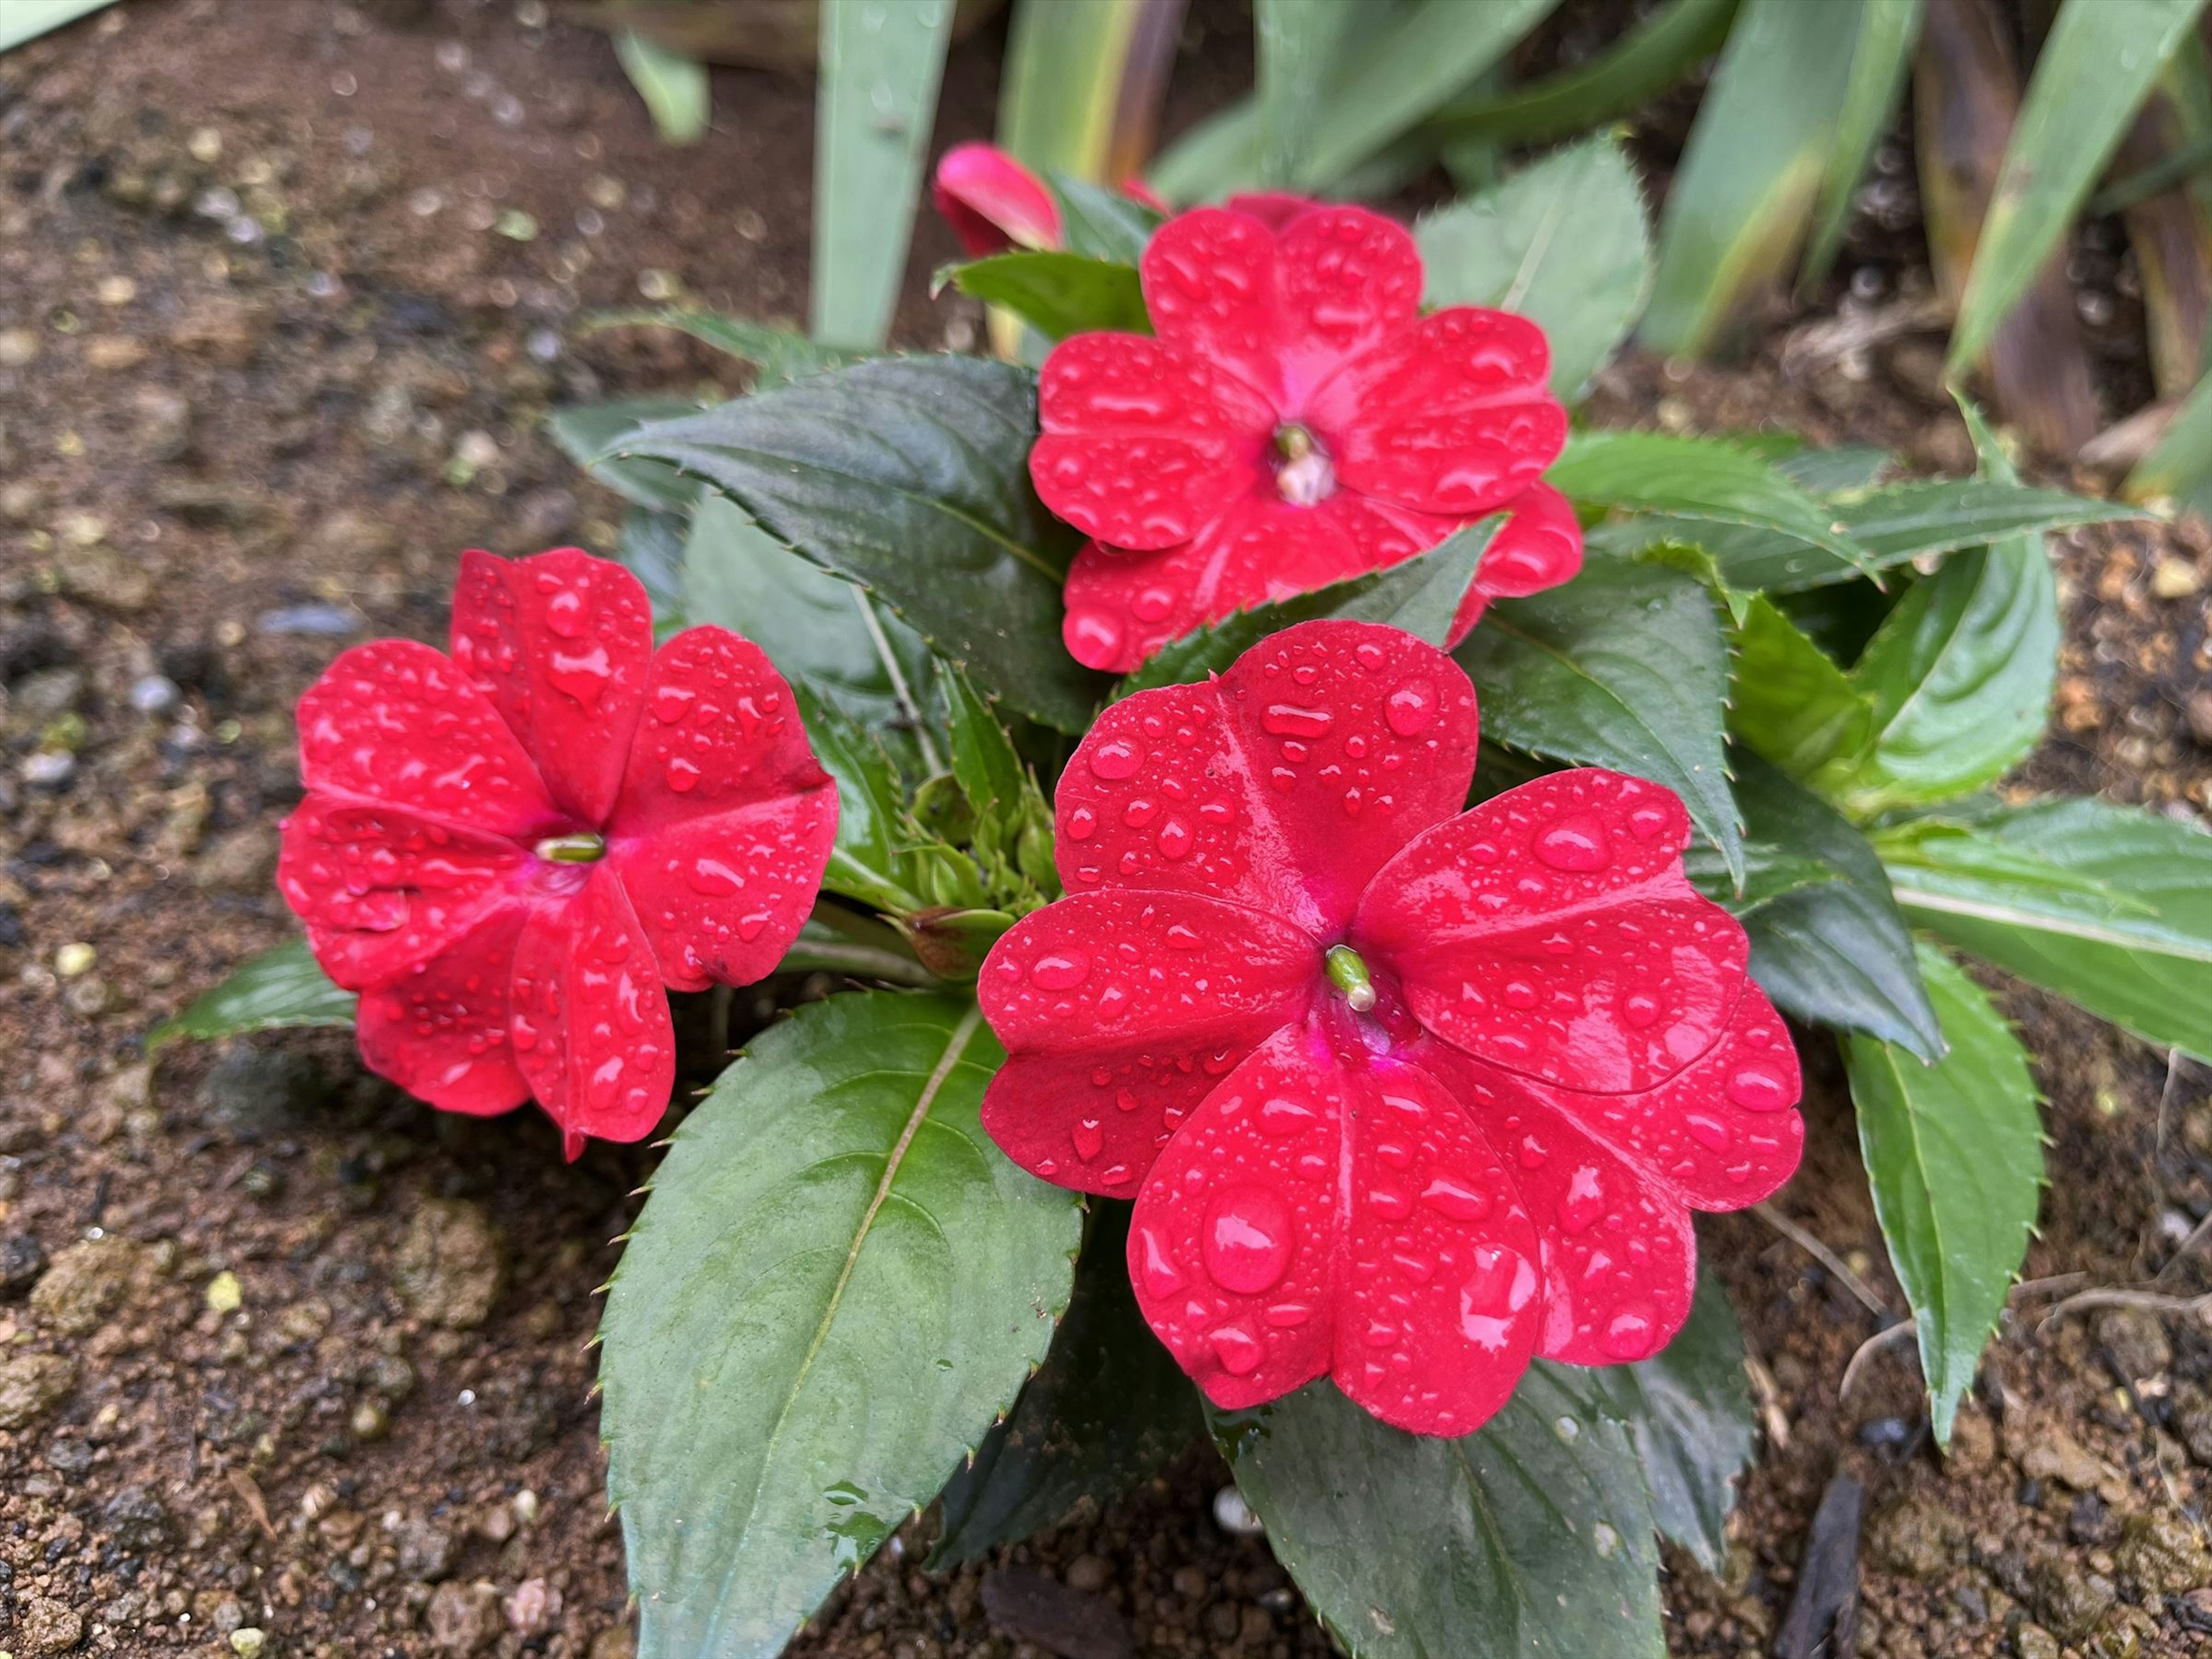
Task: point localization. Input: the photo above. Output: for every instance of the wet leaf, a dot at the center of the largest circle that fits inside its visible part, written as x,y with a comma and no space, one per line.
1955,1156
1880,57
651,549
1298,47
1532,1537
281,989
1791,704
1101,224
837,1285
586,432
1058,294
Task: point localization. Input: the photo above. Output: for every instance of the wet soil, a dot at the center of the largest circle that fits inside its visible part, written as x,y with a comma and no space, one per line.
286,290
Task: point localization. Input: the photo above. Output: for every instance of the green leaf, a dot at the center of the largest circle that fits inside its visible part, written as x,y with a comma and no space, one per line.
1109,1407
780,355
1955,1156
1624,667
281,988
651,549
1847,467
2096,66
1101,224
1689,1410
1695,479
1738,206
1879,59
871,859
1628,74
910,475
1791,704
1769,871
819,630
1299,44
2122,926
674,87
1058,294
836,1287
834,940
1072,81
1562,241
1420,595
1838,953
2179,468
1531,1537
1220,155
873,105
587,432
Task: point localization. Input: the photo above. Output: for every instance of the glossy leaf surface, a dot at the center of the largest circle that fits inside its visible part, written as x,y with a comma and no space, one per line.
279,988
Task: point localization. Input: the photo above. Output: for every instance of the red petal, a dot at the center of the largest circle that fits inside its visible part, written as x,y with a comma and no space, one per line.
440,1032
1345,279
1119,1011
1551,931
1143,442
1313,1218
1282,785
1272,207
1449,416
559,642
1724,1132
1209,279
725,819
1122,606
1539,545
993,202
590,1026
398,724
1620,1260
383,891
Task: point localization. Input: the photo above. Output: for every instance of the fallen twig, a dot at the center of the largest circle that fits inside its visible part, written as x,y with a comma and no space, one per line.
1827,1257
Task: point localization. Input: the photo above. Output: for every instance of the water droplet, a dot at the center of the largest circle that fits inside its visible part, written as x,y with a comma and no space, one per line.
1089,1138
1411,709
1114,759
712,878
1161,1279
1286,720
1632,1332
1639,1010
1060,970
1756,1089
1709,1131
1173,839
1153,605
1584,1202
564,614
671,703
1501,1286
1237,1349
1082,823
1567,1429
683,776
1280,1115
1520,993
1246,1241
1456,1200
1577,844
1648,820
1607,1539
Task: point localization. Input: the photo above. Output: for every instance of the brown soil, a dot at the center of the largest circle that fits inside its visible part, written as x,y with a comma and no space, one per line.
274,345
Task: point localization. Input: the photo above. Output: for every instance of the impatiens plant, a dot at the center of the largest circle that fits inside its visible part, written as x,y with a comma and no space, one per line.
1394,1058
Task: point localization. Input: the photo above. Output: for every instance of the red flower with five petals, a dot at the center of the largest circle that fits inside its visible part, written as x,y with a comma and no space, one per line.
1296,421
510,851
1406,1094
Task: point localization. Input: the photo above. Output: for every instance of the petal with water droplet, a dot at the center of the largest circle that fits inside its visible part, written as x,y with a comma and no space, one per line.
440,1033
1539,545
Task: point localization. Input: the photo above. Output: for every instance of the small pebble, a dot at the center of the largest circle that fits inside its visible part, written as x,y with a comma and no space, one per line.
329,621
75,959
1234,1515
50,769
154,694
247,1642
223,1294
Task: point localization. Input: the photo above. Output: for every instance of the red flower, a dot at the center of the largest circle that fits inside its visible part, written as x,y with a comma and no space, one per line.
993,202
1295,421
1405,1095
509,852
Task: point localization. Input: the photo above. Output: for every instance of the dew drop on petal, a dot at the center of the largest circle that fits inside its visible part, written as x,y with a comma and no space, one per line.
1584,1202
1089,1138
1237,1349
1709,1131
1060,970
1286,720
1281,1114
1455,1201
1411,709
1632,1332
1758,1089
1114,759
1577,844
1159,1275
1173,839
683,775
1246,1240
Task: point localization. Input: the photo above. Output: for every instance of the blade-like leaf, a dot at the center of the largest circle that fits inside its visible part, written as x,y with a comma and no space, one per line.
674,87
2096,65
836,1287
1689,1410
1955,1156
1695,479
910,475
2128,938
1420,595
1531,1537
1624,77
2180,466
1880,57
587,432
283,987
1563,241
1101,224
1109,1407
1058,294
1297,49
1835,954
873,109
1624,667
1221,154
1791,704
1740,202
780,355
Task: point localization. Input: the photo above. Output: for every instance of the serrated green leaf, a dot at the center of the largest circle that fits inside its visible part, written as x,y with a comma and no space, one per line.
1562,241
1102,223
1532,1537
1696,479
1624,667
1880,57
1792,704
836,1287
2096,65
910,475
1769,871
1420,595
280,988
875,99
1837,953
674,87
1055,293
1689,1410
587,432
2142,958
1109,1407
1955,1157
1741,201
780,355
651,549
1847,467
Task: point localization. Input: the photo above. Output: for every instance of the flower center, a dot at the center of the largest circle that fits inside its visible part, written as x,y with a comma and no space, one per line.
1348,973
1305,477
581,847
